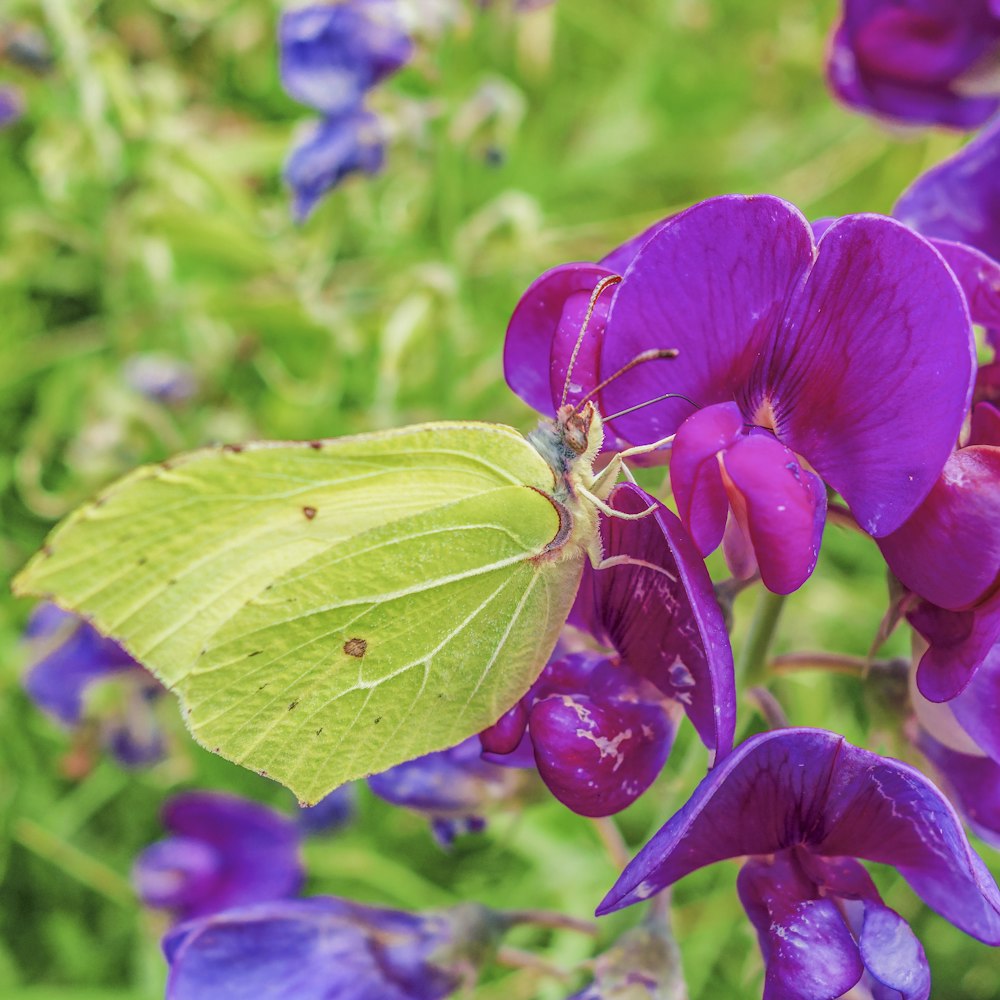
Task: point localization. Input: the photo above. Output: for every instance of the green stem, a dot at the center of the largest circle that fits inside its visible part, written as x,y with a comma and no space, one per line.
752,664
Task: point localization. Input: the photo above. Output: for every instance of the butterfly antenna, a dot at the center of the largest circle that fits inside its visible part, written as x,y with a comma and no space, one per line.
654,354
649,402
599,288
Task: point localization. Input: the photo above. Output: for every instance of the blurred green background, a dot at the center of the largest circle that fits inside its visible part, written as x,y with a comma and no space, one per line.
142,214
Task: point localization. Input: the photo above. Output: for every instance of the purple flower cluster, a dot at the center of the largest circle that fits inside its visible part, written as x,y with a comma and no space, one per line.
331,57
804,358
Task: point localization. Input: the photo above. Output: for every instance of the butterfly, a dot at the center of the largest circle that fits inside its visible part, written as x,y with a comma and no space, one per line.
327,609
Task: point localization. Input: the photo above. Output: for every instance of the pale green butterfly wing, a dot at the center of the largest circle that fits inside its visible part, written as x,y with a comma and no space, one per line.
407,638
171,555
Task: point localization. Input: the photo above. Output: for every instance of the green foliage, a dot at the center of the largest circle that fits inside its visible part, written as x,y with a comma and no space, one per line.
141,211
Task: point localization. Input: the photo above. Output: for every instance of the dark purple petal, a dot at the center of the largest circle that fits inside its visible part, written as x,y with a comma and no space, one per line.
506,733
958,642
598,758
543,333
959,199
334,148
695,476
619,259
781,507
906,60
948,551
977,708
974,783
884,810
808,949
330,55
767,795
878,339
448,783
311,949
661,615
256,853
985,428
713,283
69,655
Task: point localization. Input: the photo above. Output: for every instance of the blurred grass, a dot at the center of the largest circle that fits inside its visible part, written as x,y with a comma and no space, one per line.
141,210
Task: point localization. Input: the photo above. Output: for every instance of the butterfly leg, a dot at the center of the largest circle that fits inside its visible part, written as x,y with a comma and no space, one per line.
611,512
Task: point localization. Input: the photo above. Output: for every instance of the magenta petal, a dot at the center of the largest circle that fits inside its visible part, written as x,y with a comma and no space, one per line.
808,949
782,506
958,642
544,329
884,810
507,732
878,339
695,476
662,617
977,708
974,783
948,552
598,758
959,199
620,258
712,282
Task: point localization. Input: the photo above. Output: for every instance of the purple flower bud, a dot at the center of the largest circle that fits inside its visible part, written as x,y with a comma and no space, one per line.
223,852
927,62
161,377
324,948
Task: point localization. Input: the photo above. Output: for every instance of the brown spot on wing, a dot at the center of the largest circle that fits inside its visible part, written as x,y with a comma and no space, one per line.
310,512
356,647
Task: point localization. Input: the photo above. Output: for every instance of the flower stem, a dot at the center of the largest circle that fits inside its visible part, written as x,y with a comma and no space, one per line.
549,918
837,663
612,839
518,958
752,664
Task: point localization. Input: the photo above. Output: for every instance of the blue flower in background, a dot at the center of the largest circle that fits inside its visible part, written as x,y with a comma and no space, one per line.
331,812
334,148
450,786
325,948
331,56
68,656
223,852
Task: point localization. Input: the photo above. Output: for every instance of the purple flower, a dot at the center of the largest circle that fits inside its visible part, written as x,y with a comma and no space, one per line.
948,554
959,199
332,149
68,656
600,726
11,106
452,787
223,852
331,55
927,62
325,948
161,377
811,363
803,803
